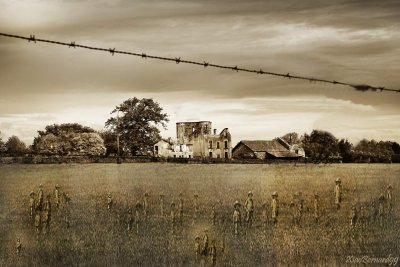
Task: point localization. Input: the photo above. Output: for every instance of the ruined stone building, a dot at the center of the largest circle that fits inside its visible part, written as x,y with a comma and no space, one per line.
199,140
167,148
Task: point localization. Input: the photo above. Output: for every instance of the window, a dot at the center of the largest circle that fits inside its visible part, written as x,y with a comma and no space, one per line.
156,149
210,154
210,144
226,144
180,148
217,145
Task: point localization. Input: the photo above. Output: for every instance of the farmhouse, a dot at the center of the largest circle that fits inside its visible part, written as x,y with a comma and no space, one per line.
267,149
198,140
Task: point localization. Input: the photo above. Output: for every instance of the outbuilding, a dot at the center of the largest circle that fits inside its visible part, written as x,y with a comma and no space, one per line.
266,149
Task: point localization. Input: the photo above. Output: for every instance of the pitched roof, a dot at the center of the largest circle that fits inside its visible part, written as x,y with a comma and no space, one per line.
272,147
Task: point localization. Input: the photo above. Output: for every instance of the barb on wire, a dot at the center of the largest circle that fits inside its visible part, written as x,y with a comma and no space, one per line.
177,60
32,38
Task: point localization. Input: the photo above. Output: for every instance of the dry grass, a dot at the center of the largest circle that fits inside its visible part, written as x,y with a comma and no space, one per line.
99,238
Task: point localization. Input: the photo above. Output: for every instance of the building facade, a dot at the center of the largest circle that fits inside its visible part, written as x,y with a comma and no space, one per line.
197,140
166,148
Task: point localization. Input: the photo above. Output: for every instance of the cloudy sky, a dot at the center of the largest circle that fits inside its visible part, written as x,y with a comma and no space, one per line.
354,41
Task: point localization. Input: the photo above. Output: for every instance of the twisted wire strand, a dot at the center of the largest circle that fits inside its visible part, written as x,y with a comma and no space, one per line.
178,60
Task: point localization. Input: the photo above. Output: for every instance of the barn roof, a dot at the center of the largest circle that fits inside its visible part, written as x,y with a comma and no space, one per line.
272,147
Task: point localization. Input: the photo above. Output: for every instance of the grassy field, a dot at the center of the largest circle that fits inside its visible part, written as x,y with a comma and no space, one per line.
97,237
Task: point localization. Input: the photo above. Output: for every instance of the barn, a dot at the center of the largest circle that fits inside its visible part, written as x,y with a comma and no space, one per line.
266,149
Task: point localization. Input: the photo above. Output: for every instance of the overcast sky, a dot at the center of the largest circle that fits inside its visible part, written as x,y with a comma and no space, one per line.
352,41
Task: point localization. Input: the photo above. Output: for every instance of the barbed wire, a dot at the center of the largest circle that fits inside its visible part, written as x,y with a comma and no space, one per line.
178,60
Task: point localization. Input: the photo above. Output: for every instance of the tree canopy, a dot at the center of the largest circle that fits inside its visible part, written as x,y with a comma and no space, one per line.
15,147
292,138
2,146
345,149
138,121
320,146
69,139
110,142
373,151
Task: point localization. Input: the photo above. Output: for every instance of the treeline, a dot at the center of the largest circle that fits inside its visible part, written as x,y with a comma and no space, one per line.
322,146
136,123
72,139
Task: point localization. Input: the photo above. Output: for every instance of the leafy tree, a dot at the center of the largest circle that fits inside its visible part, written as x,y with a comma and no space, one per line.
65,129
69,139
373,151
396,151
320,146
292,138
365,147
137,123
88,144
15,147
385,150
396,148
110,142
2,146
346,150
